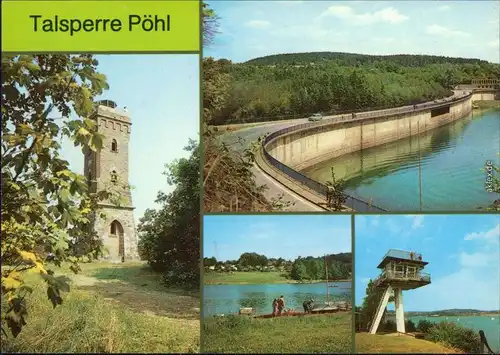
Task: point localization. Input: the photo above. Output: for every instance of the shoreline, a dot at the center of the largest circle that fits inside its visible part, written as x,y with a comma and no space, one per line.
486,314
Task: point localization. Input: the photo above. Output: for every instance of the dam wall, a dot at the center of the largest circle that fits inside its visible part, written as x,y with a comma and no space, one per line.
302,146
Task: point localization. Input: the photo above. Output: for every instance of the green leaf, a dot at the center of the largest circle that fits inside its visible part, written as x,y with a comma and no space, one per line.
64,195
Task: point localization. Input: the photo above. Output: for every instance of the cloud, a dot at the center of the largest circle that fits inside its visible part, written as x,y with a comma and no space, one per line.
394,228
417,222
478,259
387,15
492,235
310,33
470,289
494,43
260,24
443,8
445,32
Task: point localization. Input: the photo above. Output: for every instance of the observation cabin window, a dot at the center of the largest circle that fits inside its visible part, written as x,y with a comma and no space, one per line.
114,146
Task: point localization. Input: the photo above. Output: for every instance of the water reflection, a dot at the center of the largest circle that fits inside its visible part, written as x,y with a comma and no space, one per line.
449,159
228,299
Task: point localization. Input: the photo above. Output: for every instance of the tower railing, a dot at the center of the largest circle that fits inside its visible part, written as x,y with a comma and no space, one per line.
404,276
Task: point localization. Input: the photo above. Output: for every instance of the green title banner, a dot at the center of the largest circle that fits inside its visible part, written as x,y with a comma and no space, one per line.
100,26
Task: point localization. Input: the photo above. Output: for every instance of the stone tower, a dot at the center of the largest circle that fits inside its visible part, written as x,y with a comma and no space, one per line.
107,169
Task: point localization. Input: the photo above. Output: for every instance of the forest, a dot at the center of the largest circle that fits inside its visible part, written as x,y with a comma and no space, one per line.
294,85
339,267
301,269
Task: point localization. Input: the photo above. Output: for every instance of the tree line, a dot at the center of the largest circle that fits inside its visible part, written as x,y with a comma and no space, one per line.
170,237
301,269
338,266
299,84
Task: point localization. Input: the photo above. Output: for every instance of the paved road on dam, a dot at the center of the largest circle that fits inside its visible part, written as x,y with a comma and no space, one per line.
241,139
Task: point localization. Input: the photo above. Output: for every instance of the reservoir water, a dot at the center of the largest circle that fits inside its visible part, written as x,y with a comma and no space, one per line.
449,160
489,324
228,299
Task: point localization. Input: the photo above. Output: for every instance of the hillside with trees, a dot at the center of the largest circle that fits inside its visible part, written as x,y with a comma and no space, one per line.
301,269
295,85
228,182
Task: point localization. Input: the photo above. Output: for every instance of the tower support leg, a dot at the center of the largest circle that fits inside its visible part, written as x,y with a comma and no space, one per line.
400,316
380,310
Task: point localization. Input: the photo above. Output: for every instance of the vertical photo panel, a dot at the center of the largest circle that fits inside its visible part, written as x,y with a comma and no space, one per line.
100,203
277,284
427,284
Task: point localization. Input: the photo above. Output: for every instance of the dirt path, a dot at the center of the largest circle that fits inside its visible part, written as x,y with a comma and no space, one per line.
136,287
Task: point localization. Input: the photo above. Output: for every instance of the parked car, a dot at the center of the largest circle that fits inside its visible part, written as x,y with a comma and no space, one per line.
316,117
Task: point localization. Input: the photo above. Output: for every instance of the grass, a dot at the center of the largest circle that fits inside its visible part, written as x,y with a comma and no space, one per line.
251,277
393,343
311,334
110,308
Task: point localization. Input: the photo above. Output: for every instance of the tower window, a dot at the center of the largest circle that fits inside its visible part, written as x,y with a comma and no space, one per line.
113,228
114,176
89,176
114,146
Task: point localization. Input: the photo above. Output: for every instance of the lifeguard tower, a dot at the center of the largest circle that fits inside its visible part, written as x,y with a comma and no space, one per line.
401,270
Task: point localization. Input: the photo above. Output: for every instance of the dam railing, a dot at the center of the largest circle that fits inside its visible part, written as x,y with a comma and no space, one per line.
352,202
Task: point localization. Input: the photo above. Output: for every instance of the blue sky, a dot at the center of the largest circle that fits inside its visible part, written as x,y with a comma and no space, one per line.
285,236
250,29
462,250
161,93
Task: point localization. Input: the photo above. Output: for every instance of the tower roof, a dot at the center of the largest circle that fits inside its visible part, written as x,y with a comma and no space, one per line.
401,255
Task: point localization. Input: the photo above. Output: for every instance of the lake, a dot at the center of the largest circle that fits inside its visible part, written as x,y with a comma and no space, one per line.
225,299
491,327
449,160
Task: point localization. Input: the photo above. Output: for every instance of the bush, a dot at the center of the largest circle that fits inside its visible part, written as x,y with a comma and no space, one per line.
410,326
424,326
389,326
455,336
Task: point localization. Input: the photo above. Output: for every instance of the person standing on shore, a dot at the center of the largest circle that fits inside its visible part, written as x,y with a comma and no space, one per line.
281,305
275,307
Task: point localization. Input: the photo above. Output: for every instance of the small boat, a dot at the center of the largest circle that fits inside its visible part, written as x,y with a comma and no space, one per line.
475,107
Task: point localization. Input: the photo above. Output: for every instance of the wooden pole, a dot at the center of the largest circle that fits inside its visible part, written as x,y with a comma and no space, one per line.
419,166
327,288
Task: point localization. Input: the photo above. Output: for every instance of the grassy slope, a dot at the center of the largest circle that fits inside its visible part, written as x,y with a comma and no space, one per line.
368,343
311,334
251,277
111,308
